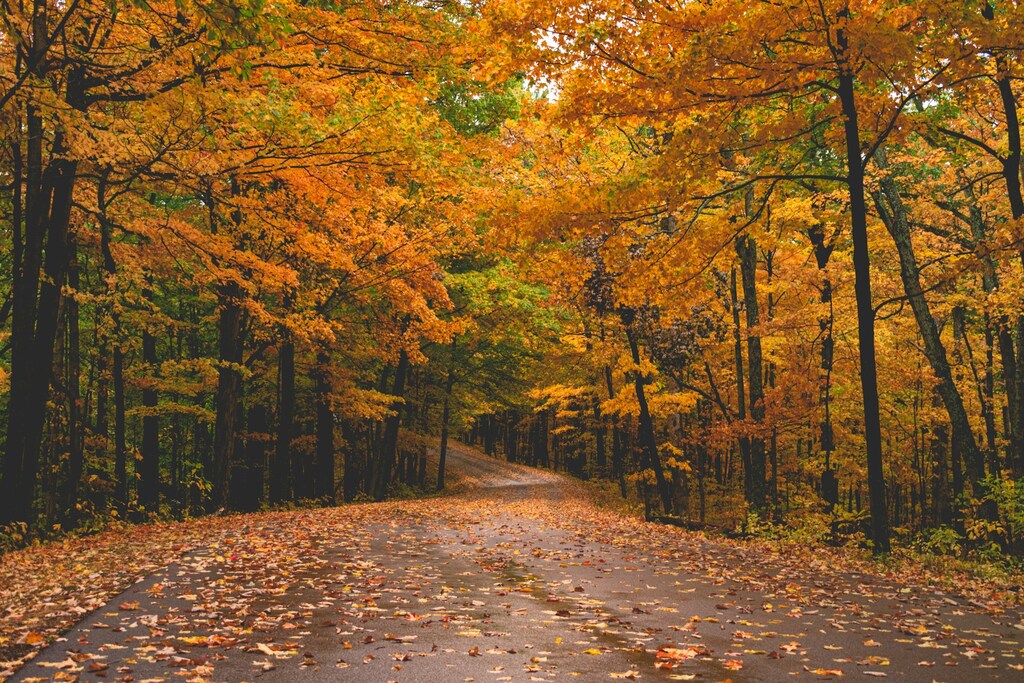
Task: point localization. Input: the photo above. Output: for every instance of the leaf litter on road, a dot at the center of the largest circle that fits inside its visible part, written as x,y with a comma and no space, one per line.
539,581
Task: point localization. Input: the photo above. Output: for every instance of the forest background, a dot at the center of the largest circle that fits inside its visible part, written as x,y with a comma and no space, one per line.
756,265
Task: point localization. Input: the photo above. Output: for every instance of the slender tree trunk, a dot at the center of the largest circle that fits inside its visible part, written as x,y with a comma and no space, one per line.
389,446
229,389
282,456
149,467
894,216
36,306
822,254
741,390
246,489
117,354
121,488
746,249
1011,172
865,309
446,416
648,443
76,427
324,428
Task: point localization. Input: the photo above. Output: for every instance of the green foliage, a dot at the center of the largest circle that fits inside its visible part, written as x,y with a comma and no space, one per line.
941,540
474,108
1008,497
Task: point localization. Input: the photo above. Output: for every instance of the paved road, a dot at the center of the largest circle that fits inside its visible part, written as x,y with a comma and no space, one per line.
515,580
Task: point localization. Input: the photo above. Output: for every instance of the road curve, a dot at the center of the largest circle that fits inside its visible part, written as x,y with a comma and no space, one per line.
516,579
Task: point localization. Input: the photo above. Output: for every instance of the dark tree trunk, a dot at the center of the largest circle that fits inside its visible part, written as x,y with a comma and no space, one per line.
618,452
746,249
389,446
540,439
149,467
229,389
446,416
355,461
40,239
1011,172
76,427
600,431
865,310
648,444
121,491
324,429
822,254
281,460
247,472
741,390
894,216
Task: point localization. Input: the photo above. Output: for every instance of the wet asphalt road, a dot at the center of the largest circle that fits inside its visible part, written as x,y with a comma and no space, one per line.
502,595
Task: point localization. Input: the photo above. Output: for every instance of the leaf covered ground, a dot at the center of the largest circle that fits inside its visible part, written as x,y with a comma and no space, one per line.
522,576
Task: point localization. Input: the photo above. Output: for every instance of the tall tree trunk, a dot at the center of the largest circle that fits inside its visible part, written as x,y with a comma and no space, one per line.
618,452
256,442
389,446
894,216
648,444
116,351
741,390
40,240
76,427
324,428
229,389
446,416
1011,172
601,461
121,488
149,467
862,288
282,457
746,249
822,254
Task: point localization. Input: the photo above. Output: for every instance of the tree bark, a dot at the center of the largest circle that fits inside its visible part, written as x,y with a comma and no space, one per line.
648,444
76,426
746,249
389,446
149,467
822,254
324,429
282,456
741,390
229,389
865,310
446,416
894,216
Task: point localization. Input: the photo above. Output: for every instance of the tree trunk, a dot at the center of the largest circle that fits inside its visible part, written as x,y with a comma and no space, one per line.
746,249
894,216
282,456
149,467
822,254
389,446
865,310
446,415
324,429
121,489
741,390
229,389
618,453
76,427
36,310
648,444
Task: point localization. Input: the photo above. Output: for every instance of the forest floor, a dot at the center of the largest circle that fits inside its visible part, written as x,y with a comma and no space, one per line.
520,576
